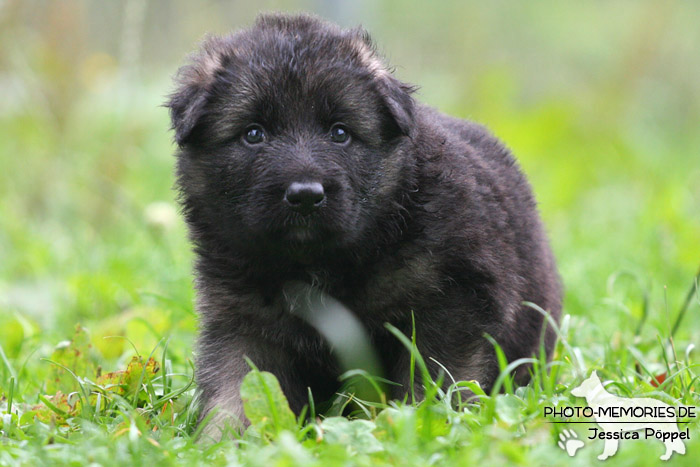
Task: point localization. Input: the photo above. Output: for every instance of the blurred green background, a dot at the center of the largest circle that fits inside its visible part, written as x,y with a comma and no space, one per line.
600,101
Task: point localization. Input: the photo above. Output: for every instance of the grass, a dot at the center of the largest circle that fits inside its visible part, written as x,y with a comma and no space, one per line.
146,413
90,236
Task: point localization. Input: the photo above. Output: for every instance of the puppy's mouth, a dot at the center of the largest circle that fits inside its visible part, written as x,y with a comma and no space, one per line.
302,234
304,230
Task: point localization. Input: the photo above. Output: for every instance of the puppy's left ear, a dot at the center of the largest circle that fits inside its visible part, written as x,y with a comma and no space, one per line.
398,101
396,96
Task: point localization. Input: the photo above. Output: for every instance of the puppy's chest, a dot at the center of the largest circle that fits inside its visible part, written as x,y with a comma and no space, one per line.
386,289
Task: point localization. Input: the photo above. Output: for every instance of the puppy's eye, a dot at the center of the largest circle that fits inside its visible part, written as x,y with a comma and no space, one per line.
254,134
339,133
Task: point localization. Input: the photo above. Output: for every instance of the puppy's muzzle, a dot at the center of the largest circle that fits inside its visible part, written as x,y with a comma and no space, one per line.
304,197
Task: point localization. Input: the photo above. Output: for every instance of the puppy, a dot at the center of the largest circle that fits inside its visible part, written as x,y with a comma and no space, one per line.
302,159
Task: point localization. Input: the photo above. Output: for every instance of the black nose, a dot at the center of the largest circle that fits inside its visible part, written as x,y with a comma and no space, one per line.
304,197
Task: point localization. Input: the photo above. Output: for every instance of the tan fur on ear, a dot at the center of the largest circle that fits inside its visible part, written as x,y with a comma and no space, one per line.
396,95
194,80
369,57
204,63
209,63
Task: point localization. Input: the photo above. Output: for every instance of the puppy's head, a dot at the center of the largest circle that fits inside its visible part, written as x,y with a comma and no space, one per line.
290,136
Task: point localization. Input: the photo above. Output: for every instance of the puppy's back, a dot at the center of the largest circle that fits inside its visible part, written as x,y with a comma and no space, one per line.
500,215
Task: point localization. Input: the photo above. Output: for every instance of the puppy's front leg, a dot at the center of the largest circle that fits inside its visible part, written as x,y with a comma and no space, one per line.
221,367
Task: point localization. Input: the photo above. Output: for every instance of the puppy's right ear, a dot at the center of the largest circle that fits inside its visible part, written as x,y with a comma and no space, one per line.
194,81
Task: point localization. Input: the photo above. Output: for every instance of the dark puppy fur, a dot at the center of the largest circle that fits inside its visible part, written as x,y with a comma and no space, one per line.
302,158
